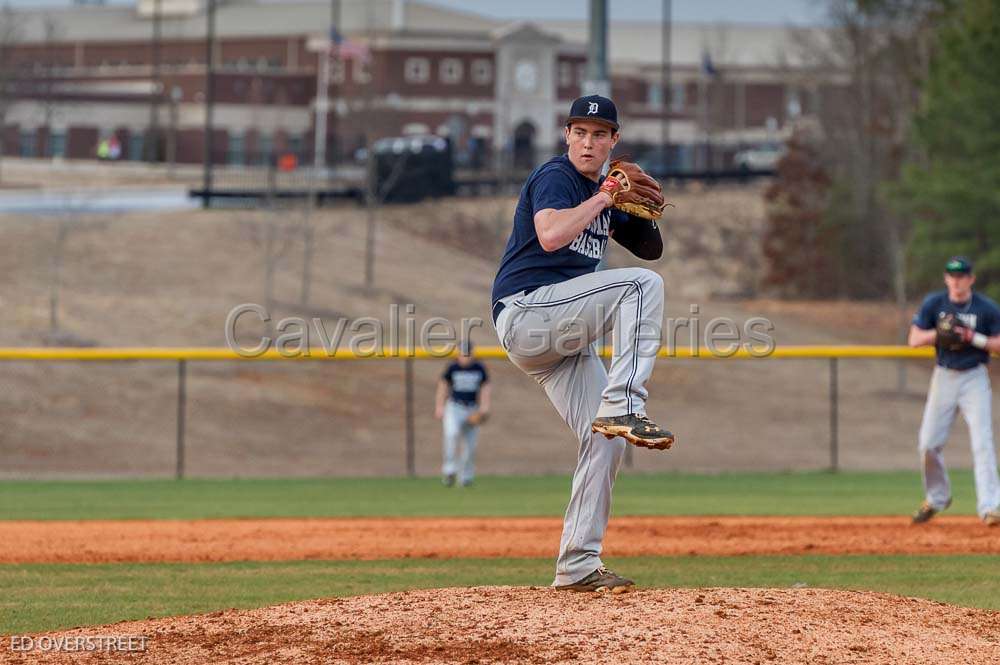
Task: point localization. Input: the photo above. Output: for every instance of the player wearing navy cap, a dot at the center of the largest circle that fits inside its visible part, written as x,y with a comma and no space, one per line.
964,326
462,403
550,307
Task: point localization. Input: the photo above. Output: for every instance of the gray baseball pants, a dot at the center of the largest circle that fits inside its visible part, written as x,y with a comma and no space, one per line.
456,425
550,334
970,391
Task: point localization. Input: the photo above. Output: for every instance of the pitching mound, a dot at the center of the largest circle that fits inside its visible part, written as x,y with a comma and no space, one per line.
540,625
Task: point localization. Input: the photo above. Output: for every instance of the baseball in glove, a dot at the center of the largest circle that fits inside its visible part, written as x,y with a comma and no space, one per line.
633,191
951,333
478,418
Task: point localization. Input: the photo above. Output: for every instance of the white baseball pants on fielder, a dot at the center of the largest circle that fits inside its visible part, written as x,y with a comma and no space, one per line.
456,425
550,334
968,390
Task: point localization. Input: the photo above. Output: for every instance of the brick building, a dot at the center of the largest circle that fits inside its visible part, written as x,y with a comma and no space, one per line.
78,75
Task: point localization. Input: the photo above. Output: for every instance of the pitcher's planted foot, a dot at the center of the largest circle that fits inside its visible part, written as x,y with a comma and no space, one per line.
601,579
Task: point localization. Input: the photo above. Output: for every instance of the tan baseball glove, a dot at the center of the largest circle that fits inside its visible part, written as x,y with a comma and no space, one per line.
478,418
633,191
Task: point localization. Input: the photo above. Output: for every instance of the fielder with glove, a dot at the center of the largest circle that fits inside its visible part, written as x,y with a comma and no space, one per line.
462,404
964,327
550,307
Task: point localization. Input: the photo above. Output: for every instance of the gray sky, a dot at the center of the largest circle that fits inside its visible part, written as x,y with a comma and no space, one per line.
740,11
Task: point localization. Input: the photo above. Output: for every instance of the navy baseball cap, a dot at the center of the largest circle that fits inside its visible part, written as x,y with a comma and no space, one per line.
595,108
958,265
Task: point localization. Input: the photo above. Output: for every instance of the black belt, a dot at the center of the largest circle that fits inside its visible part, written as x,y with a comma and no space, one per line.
498,306
961,369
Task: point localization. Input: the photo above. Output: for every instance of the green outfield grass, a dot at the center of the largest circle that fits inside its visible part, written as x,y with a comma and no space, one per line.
37,597
655,494
41,597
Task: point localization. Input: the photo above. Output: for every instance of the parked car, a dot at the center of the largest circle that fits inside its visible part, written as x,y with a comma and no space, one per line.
654,164
760,158
410,168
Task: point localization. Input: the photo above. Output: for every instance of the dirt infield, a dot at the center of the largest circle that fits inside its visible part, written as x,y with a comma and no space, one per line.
531,624
535,625
394,538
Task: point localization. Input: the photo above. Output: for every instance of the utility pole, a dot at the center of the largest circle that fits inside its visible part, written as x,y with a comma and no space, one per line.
597,82
209,102
706,138
666,93
175,98
153,142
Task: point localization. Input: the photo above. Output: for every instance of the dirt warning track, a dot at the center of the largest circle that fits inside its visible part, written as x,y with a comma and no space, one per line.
395,538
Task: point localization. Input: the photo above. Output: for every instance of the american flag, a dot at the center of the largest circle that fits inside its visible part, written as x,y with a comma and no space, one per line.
346,49
707,66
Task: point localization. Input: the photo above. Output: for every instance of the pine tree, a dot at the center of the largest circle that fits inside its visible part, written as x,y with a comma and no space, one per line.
952,188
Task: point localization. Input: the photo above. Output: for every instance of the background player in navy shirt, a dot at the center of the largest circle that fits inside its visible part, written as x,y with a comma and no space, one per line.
960,382
463,392
550,307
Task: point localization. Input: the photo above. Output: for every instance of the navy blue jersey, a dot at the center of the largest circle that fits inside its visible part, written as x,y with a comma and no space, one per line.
979,313
525,265
465,382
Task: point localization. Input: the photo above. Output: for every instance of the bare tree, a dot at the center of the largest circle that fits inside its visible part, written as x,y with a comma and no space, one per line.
71,220
870,65
274,232
873,61
308,237
712,90
375,191
45,82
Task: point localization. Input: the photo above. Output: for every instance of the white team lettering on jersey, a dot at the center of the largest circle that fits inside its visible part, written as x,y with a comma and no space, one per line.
466,381
594,239
968,320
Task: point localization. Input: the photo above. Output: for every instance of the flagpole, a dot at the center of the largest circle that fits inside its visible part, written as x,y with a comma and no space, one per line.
322,108
666,93
323,88
706,149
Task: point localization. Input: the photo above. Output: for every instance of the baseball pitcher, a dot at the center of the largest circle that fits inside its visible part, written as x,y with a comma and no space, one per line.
964,327
550,306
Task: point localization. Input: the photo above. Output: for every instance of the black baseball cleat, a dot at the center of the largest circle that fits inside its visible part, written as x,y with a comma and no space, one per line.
449,480
927,511
600,579
636,429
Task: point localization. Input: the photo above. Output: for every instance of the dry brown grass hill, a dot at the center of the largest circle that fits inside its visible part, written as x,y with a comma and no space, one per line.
169,279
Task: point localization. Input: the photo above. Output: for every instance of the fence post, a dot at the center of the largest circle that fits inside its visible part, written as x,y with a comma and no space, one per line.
181,403
411,468
834,418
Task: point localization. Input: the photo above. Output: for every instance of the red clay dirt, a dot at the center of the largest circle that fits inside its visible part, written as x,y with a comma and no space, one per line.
540,625
394,538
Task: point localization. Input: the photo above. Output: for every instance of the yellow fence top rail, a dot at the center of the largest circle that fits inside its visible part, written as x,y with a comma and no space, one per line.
222,353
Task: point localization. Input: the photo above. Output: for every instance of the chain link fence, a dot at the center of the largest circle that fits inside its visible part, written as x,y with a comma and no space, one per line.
125,418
